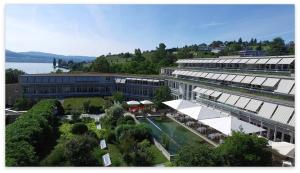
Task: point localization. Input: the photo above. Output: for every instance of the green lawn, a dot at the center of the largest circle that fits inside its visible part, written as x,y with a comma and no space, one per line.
76,104
115,156
158,156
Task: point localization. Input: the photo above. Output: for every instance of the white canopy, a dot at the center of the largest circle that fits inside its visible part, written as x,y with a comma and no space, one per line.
202,112
283,148
227,125
146,102
133,102
179,104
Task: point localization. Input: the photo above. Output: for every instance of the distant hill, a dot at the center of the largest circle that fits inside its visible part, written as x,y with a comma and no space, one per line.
41,57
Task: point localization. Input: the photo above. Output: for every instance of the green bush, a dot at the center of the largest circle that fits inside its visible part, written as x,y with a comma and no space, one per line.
33,131
78,151
23,104
79,128
125,120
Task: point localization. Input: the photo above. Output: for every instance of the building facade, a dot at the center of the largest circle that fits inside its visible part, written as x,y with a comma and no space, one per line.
65,85
259,90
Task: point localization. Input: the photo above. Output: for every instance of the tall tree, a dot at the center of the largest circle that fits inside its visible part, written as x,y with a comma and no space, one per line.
245,150
54,62
100,65
163,93
277,47
12,75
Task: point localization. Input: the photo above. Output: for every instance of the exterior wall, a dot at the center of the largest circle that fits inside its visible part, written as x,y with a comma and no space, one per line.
62,86
274,130
12,93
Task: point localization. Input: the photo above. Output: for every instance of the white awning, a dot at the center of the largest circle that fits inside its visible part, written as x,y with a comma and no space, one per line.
232,99
270,82
222,77
209,75
202,112
223,97
283,148
180,104
227,125
198,74
203,75
208,92
197,89
146,102
273,60
286,61
283,114
253,105
216,94
251,61
285,86
175,72
267,110
230,77
221,61
238,78
247,80
292,121
133,102
242,102
235,61
215,76
228,61
262,61
293,90
258,80
243,61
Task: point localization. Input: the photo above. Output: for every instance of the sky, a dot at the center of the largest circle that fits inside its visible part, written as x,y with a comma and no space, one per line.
93,30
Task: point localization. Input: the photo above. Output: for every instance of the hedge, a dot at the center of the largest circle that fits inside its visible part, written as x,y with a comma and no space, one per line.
29,135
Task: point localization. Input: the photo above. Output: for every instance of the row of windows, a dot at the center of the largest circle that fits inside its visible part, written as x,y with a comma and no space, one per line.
61,79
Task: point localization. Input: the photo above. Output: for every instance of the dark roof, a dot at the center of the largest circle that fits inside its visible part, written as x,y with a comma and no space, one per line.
94,74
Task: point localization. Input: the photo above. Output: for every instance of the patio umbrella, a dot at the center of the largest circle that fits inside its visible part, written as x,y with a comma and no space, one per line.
146,102
283,148
227,125
180,104
202,112
133,102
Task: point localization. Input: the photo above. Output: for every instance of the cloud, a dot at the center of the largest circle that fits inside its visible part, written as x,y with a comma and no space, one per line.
211,24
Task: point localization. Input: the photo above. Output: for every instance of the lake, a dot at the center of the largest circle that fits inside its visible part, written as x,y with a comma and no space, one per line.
32,68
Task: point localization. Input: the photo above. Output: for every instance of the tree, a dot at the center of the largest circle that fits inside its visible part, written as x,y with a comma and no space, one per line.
12,75
245,150
86,105
196,155
54,62
277,47
100,65
163,93
23,104
79,128
78,151
118,97
160,53
138,55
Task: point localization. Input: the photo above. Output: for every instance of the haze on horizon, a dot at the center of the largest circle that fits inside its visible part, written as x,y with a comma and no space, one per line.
93,30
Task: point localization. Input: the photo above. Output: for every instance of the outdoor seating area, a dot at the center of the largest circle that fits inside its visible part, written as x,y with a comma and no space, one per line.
140,106
211,123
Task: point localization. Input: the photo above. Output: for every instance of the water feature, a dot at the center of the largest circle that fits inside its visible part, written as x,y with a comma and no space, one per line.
178,135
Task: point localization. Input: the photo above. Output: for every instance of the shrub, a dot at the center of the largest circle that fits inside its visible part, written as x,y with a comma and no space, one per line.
78,151
23,104
79,128
125,120
31,133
